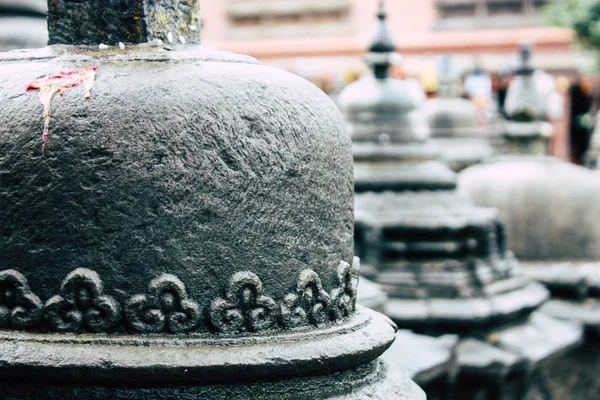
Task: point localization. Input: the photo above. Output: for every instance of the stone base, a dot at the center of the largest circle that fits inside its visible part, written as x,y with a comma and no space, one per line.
334,362
465,315
377,381
586,313
511,363
575,376
567,279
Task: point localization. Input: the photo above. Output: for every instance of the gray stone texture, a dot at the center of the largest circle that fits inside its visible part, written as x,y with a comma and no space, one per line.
192,165
92,22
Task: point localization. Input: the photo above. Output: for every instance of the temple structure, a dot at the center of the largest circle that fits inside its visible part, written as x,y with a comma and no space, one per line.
546,204
178,224
443,261
461,142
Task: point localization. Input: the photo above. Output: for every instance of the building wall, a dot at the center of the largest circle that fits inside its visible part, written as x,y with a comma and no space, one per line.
311,47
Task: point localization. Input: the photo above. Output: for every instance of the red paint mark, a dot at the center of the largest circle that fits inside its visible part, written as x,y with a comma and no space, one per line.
59,83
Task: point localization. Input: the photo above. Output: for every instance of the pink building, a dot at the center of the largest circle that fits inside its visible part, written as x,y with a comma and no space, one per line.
314,37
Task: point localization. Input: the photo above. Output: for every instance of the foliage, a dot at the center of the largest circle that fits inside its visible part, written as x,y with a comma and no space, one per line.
583,16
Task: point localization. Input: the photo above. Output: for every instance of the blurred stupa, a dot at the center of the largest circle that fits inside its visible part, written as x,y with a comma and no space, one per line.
453,122
442,261
547,204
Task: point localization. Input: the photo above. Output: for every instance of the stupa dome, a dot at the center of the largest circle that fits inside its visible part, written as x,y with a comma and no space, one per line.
379,108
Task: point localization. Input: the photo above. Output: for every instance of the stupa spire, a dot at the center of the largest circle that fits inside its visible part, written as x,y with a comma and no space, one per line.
382,46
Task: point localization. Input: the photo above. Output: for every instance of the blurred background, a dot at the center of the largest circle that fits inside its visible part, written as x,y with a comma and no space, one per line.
325,42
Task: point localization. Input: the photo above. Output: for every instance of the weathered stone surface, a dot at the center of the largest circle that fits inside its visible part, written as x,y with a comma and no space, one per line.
376,381
185,215
566,279
93,22
143,360
194,177
465,315
479,358
515,362
575,376
442,261
586,313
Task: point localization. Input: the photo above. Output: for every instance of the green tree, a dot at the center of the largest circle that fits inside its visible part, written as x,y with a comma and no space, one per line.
583,16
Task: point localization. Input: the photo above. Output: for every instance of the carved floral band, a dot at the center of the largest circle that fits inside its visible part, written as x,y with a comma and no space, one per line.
82,305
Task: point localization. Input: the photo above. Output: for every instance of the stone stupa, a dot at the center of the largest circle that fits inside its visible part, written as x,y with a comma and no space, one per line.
453,122
547,204
443,261
178,224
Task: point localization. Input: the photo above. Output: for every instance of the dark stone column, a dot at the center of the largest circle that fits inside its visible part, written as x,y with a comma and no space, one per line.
93,22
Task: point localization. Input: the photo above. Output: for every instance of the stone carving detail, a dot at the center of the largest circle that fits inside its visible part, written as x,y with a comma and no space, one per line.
343,297
309,305
166,308
244,307
19,307
81,305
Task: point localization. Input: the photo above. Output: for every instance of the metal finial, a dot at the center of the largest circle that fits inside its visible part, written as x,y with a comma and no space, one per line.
382,46
383,41
382,14
525,56
525,49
